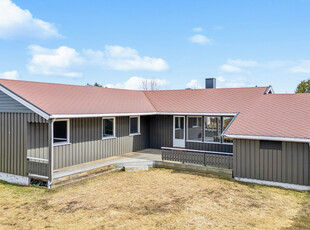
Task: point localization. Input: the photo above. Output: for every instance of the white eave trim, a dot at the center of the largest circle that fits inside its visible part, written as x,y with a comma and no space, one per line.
137,114
268,138
24,102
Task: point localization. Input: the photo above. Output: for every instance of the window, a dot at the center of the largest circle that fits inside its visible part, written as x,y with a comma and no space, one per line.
226,122
108,127
179,128
270,145
194,128
213,129
134,125
61,132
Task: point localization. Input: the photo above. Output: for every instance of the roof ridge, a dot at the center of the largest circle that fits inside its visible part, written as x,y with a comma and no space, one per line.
250,87
53,83
149,100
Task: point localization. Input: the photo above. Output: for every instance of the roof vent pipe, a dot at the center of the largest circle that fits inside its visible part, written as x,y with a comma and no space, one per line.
210,83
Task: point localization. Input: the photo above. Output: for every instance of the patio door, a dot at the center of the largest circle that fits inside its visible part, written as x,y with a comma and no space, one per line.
179,131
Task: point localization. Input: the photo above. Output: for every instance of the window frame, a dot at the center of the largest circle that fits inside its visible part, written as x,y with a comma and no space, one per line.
222,142
202,128
137,133
223,138
67,142
114,128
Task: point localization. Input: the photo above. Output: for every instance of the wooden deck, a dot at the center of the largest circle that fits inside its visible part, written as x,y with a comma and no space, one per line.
146,156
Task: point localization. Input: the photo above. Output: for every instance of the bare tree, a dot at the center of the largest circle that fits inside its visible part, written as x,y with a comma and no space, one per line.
149,84
144,85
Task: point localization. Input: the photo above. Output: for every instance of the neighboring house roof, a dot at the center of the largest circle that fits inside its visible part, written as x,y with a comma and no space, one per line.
268,115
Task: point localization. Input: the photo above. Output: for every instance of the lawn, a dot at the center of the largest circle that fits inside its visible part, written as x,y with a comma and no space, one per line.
156,199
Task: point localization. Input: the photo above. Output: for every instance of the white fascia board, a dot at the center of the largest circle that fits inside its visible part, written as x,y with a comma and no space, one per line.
268,138
25,103
57,116
273,183
196,114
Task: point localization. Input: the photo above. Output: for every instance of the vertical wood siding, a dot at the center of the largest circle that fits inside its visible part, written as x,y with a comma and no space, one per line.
14,138
37,140
289,165
161,131
87,144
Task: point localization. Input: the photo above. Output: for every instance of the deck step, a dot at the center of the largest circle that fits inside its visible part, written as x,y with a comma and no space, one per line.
82,176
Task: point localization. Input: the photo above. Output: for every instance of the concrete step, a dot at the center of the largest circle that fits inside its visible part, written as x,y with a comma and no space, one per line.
131,168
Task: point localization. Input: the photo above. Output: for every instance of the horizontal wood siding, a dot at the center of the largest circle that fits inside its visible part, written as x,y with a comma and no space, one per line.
87,144
289,165
14,136
9,105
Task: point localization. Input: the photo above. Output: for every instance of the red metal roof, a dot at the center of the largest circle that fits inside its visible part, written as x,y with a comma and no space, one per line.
230,100
72,99
273,115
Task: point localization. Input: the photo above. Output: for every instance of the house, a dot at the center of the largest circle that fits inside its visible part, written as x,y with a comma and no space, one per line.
45,127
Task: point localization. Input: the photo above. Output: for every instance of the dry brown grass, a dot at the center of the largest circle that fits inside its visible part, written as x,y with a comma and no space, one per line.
157,199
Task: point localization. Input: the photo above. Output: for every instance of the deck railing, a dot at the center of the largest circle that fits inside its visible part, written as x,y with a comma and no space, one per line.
38,167
199,157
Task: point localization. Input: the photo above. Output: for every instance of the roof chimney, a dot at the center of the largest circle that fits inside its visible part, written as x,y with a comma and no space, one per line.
210,83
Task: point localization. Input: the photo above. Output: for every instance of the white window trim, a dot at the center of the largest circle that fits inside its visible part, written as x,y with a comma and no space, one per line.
114,128
67,142
202,130
138,133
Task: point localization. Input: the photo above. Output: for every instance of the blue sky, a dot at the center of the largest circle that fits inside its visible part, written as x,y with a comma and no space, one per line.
177,43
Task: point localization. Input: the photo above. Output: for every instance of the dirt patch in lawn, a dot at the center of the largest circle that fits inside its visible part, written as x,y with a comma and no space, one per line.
157,199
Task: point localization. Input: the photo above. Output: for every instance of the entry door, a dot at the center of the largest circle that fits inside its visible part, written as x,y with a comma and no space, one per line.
179,131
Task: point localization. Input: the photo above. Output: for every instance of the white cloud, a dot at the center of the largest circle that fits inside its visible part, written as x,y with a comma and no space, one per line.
136,83
13,75
231,83
197,29
231,69
199,39
242,63
237,65
235,84
194,84
302,67
54,61
125,58
220,79
16,22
